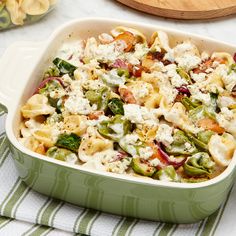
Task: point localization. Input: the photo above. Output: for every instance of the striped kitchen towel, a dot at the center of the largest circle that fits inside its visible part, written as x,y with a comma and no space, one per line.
25,212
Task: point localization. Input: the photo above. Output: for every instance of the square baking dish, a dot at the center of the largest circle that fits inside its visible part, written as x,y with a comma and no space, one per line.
117,194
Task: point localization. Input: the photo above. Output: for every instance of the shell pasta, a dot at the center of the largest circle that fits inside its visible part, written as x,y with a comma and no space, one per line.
129,104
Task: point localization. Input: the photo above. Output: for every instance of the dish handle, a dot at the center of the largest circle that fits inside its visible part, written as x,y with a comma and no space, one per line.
15,65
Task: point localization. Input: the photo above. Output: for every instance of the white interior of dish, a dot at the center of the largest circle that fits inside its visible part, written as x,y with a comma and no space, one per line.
82,29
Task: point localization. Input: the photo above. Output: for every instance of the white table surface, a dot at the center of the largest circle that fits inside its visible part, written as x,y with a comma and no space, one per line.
222,29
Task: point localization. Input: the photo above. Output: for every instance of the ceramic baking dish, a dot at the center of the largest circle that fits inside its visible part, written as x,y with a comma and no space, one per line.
108,192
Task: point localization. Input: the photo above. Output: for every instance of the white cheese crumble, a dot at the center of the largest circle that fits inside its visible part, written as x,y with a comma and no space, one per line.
140,115
230,81
188,62
145,153
176,79
112,78
164,134
154,162
79,105
72,52
227,119
196,93
198,77
166,89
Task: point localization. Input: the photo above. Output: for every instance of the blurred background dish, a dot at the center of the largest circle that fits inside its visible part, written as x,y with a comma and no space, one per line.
16,13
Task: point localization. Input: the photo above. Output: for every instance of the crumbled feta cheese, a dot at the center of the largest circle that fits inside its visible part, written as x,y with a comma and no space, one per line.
141,90
140,50
118,167
76,88
196,93
133,113
198,77
164,134
110,52
131,58
72,52
118,128
113,78
98,121
145,153
158,66
130,141
166,89
187,146
154,162
140,115
170,56
230,81
185,55
176,79
227,119
79,105
188,62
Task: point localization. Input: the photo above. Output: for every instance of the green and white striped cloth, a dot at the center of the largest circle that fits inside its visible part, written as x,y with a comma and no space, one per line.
25,212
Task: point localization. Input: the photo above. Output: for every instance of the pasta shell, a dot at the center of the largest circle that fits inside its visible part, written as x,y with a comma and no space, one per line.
37,105
225,57
153,100
92,143
75,124
16,12
45,136
141,90
159,40
33,144
140,38
222,148
35,7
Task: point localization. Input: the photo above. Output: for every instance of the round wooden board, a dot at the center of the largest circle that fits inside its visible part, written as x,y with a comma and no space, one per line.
184,9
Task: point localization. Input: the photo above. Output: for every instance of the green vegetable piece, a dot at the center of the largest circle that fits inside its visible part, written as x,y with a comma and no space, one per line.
64,66
51,85
57,103
99,97
183,74
188,103
232,68
61,154
142,167
168,173
115,128
201,112
69,141
214,106
5,19
201,145
204,136
52,72
116,106
181,145
123,72
200,164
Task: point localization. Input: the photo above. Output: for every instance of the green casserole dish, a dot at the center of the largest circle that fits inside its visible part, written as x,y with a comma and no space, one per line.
110,192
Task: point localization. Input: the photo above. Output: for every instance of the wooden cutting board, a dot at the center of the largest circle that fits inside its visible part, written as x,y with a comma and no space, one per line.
184,9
